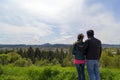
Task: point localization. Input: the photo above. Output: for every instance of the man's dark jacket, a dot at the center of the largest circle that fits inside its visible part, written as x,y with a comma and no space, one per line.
93,48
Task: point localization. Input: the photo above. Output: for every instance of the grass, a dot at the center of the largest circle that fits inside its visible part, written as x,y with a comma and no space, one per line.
50,73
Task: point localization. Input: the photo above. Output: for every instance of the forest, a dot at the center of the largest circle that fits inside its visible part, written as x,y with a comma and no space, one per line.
52,64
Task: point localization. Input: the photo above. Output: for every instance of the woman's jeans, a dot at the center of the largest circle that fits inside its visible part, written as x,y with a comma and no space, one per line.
93,69
80,70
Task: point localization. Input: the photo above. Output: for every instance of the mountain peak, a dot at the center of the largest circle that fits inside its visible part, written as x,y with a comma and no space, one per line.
46,44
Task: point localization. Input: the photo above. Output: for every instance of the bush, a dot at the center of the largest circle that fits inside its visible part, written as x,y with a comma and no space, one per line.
13,56
22,62
49,74
107,75
42,62
54,61
67,62
34,74
1,70
3,59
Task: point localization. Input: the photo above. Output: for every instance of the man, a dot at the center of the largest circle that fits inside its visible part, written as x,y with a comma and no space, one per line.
93,54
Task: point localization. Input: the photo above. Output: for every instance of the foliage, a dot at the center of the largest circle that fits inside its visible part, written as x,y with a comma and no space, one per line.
52,73
54,56
13,56
1,70
22,62
44,62
9,58
3,59
110,58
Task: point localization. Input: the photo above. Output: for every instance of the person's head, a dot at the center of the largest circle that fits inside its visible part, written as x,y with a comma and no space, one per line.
80,37
90,33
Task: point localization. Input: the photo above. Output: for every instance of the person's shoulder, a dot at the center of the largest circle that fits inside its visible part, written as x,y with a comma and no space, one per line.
98,40
87,39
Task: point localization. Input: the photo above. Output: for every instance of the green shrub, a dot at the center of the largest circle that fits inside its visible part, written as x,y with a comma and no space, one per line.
54,61
42,62
48,74
3,59
1,70
34,73
107,75
51,73
22,62
13,56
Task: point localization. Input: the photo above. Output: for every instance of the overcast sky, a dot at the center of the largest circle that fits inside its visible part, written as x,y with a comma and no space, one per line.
58,21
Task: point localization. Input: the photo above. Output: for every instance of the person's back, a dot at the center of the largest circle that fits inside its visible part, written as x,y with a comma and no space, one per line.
77,52
79,58
93,54
93,49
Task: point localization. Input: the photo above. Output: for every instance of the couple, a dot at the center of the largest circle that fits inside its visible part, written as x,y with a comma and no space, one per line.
89,52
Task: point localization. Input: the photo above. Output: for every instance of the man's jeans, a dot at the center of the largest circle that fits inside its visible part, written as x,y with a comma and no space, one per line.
93,69
80,70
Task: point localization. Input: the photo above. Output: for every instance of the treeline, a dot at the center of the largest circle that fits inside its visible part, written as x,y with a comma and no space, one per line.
58,56
36,56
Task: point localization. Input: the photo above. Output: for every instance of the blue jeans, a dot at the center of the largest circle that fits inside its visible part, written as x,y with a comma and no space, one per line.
80,70
93,69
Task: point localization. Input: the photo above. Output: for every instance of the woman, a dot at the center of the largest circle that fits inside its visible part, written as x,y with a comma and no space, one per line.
79,57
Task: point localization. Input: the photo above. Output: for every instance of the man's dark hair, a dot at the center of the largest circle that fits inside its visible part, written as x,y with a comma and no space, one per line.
90,33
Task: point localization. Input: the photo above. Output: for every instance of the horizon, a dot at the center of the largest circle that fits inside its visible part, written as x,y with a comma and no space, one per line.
58,21
53,44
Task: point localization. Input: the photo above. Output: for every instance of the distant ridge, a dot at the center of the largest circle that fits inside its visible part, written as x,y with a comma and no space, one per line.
50,45
55,45
111,45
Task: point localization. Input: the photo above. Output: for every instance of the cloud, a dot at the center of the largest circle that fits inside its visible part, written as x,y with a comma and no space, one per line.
53,11
41,30
93,16
32,16
104,23
55,21
25,33
63,39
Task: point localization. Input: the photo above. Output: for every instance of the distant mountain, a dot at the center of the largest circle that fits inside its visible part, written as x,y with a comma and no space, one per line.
55,45
11,45
50,45
110,45
46,44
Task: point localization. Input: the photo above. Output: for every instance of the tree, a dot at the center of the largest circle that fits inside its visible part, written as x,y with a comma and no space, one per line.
21,52
106,61
50,55
117,61
61,56
13,56
118,51
30,54
38,53
67,61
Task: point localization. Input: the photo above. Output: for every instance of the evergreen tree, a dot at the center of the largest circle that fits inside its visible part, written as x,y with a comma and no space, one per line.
21,52
118,51
50,55
30,54
38,54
